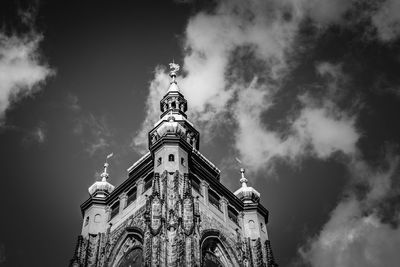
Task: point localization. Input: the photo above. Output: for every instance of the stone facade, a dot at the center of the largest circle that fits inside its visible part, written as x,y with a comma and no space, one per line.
172,210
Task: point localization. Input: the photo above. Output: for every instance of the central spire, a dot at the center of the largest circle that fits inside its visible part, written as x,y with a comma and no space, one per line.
174,68
173,123
173,103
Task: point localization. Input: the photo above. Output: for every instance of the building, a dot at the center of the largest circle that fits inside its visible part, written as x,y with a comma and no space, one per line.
172,209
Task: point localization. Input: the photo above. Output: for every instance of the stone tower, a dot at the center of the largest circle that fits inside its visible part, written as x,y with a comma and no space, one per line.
172,209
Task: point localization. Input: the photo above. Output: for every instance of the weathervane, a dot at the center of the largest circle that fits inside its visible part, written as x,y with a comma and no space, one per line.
174,68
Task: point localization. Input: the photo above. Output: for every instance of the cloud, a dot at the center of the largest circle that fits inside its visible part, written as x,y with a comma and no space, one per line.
21,70
35,135
361,230
387,20
211,40
157,89
95,133
39,134
73,103
327,129
320,129
235,60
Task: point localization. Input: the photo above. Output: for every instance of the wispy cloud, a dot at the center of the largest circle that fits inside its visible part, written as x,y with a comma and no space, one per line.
39,133
236,60
363,228
22,72
387,20
95,133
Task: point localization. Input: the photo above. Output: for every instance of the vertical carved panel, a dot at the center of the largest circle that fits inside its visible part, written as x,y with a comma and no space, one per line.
155,259
189,251
171,247
155,223
147,245
258,255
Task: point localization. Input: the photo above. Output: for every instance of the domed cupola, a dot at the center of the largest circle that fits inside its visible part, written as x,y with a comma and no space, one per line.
246,193
102,188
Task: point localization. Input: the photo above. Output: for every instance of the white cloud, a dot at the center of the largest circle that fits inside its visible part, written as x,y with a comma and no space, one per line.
355,234
21,72
327,130
387,20
320,129
268,29
157,89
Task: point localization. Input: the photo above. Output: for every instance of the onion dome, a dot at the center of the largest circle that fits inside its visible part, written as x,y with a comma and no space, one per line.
101,188
246,193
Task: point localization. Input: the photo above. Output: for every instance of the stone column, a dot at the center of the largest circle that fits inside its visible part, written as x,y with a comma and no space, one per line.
140,186
224,207
122,201
204,190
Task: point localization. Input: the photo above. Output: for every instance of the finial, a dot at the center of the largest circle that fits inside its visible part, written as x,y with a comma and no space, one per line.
174,68
104,175
243,179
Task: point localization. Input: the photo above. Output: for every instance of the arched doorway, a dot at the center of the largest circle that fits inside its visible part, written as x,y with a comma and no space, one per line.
133,258
128,250
213,251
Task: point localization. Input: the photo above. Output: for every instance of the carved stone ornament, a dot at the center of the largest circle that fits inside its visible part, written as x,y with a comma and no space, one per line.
188,223
155,221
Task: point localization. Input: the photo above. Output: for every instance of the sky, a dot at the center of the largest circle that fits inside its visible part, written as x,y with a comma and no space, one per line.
305,93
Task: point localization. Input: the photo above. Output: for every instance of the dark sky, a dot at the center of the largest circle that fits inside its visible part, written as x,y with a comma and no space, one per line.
306,95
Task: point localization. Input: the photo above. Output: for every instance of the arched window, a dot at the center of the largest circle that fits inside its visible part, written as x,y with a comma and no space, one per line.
183,161
131,195
159,161
133,258
97,218
252,225
87,220
195,183
148,182
214,252
114,209
171,157
233,214
214,198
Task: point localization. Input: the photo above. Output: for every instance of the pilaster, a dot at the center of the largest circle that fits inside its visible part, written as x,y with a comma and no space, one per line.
122,201
224,207
140,186
204,190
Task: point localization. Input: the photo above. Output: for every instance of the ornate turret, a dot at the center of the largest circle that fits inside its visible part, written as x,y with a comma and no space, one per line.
246,193
173,124
102,188
173,103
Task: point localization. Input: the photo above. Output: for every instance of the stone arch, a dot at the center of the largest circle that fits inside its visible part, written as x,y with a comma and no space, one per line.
128,244
215,250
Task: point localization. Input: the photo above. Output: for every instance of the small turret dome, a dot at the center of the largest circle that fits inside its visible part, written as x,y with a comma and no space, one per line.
101,188
246,193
